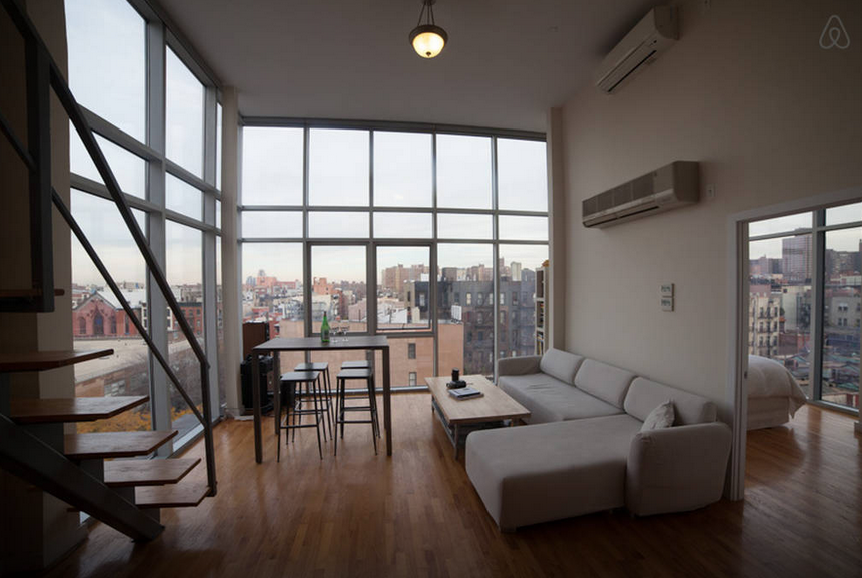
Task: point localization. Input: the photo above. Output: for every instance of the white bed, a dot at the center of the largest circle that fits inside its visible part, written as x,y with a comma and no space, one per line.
774,396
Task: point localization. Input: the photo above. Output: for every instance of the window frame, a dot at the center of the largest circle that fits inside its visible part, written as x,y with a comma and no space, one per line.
817,231
372,243
159,38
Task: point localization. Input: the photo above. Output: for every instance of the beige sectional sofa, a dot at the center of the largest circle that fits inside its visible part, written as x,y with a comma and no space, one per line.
584,450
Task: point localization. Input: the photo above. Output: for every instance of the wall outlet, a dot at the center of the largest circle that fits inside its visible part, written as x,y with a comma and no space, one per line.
666,290
667,303
710,191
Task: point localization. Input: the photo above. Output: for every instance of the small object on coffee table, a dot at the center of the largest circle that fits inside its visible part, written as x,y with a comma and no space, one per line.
465,393
456,383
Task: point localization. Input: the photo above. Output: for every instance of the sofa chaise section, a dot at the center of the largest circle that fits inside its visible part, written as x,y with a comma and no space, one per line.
533,474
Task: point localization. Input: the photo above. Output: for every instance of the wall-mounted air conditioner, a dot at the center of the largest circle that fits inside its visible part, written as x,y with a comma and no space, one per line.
655,33
671,186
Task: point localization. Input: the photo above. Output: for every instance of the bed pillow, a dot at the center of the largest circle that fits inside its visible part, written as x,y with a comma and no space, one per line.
659,418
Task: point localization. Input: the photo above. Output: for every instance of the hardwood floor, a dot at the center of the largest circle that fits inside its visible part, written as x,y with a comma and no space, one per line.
416,514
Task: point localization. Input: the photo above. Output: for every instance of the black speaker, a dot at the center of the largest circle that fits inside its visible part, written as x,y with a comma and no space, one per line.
246,381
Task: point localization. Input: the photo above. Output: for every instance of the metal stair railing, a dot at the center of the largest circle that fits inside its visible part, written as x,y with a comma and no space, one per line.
52,78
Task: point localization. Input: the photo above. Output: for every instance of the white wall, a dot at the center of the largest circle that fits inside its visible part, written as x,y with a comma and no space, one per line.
770,115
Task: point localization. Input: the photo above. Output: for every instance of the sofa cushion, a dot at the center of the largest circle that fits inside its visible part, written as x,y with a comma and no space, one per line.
605,381
561,364
549,399
644,395
532,474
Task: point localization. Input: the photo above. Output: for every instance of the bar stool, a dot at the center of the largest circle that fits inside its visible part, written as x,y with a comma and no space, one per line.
326,394
291,380
360,364
371,408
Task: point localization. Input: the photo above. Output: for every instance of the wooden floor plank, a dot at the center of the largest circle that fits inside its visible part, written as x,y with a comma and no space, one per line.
416,514
156,472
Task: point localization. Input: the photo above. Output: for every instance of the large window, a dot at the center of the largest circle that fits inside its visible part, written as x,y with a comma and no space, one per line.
184,249
173,189
99,321
107,61
464,172
804,300
517,327
464,271
338,287
403,288
338,167
272,166
184,126
402,238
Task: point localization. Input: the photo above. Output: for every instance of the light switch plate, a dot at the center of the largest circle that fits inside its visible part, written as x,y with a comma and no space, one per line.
667,303
666,290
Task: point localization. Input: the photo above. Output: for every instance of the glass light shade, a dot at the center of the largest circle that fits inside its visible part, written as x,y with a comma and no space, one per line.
428,40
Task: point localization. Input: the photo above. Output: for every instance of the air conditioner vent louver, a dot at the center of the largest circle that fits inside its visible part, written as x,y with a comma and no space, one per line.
669,187
655,33
642,186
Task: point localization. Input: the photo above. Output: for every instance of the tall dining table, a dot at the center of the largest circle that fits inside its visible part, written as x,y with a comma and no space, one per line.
274,346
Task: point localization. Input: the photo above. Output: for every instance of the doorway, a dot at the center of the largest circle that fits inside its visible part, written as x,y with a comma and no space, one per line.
795,274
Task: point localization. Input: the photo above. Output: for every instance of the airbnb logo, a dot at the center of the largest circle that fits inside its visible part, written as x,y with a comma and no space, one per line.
834,34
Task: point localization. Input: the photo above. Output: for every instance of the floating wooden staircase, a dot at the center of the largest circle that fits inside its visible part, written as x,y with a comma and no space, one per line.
47,457
126,495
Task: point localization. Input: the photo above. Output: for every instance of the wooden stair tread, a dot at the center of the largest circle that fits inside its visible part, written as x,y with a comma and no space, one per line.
182,495
120,444
41,360
63,410
27,293
122,473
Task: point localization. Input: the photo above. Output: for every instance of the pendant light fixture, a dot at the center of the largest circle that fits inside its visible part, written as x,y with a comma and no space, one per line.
428,39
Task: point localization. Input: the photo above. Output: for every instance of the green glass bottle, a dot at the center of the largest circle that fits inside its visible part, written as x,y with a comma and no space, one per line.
324,330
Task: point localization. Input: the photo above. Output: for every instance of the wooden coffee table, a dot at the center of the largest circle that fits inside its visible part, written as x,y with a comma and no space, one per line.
459,417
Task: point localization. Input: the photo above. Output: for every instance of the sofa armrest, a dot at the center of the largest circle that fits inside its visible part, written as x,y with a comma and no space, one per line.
518,365
677,469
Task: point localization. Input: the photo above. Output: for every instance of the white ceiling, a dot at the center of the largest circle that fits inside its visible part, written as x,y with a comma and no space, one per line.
506,62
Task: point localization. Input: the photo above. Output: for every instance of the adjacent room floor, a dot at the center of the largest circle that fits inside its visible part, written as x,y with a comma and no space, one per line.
417,515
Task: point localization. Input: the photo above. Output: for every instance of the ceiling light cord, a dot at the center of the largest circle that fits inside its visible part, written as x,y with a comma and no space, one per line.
429,7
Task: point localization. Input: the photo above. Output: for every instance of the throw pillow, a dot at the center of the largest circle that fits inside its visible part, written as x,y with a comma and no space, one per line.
659,418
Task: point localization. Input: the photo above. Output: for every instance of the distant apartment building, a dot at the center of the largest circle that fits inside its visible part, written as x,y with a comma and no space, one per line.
516,269
765,266
796,307
796,258
764,314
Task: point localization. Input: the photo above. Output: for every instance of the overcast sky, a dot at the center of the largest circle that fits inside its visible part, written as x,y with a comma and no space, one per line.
840,240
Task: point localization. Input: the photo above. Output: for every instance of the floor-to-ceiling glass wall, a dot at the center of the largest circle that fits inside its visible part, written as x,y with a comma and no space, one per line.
157,121
804,299
407,231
